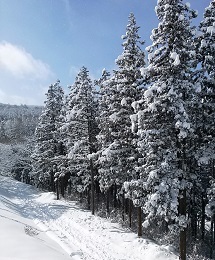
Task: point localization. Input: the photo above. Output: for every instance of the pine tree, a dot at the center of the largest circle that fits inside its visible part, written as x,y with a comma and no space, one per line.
103,137
80,129
207,91
165,128
47,138
206,98
117,152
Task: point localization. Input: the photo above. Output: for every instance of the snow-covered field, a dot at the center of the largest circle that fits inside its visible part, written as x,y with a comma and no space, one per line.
35,226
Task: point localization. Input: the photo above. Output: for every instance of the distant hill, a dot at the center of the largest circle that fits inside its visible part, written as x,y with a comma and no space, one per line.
18,123
17,127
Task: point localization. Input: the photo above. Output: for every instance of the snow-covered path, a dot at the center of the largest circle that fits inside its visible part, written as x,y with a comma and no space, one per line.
51,229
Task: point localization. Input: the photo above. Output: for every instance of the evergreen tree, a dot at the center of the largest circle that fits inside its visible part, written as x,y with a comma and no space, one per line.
80,131
206,112
165,130
47,138
117,152
103,137
206,123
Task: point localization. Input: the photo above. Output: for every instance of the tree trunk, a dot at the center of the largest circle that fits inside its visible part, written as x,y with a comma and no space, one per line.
108,201
203,218
139,213
183,231
92,188
212,237
213,168
214,230
57,188
52,181
88,198
130,213
81,197
183,244
193,214
97,189
115,195
62,186
126,206
123,206
69,188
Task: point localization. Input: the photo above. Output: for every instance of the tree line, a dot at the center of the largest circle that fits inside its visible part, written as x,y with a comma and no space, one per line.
17,123
17,127
141,139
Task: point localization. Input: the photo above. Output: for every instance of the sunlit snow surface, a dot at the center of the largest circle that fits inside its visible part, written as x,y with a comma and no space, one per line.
35,226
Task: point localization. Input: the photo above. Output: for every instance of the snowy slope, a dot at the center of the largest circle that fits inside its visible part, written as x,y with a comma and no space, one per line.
36,226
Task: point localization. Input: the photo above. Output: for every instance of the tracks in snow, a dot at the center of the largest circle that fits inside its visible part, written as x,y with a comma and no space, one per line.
81,239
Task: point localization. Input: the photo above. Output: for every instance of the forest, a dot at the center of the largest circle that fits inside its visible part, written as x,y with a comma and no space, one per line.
138,143
17,127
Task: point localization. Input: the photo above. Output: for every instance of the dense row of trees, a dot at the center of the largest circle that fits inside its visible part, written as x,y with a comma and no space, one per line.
17,123
142,136
17,127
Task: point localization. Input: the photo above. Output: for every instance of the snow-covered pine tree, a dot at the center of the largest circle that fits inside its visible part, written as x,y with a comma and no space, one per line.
47,140
61,172
207,59
104,138
80,128
206,86
117,152
206,113
130,62
165,129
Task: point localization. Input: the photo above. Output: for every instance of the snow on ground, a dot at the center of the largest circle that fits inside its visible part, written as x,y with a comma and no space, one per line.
36,226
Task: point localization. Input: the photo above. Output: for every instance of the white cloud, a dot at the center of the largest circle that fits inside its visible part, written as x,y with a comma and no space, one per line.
20,63
15,99
24,79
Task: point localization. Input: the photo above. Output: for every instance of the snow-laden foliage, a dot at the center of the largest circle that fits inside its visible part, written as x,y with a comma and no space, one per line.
210,209
18,123
206,104
207,37
104,137
47,138
206,94
130,62
17,126
164,126
148,134
117,155
80,127
15,160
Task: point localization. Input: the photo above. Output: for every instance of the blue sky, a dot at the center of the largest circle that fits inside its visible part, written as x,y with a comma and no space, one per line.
45,40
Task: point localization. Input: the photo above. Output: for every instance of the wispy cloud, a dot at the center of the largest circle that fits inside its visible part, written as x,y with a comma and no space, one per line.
5,98
69,13
24,79
20,63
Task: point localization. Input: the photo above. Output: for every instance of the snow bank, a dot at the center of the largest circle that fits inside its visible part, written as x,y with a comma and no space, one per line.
20,238
36,226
